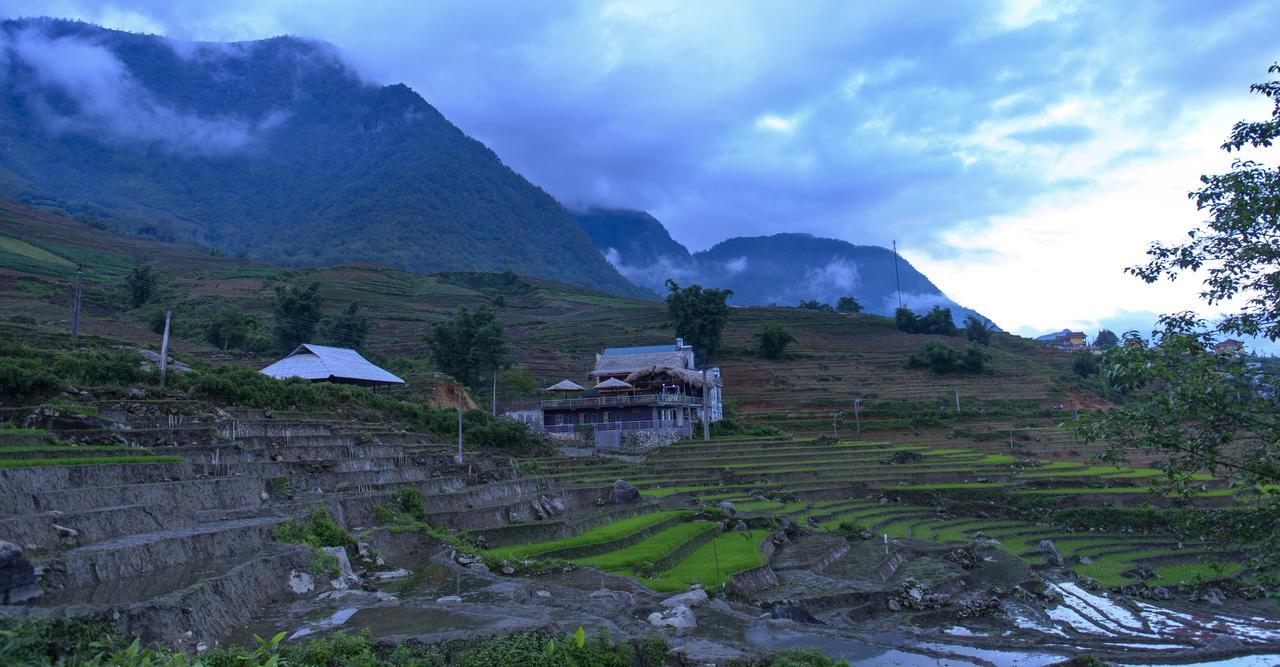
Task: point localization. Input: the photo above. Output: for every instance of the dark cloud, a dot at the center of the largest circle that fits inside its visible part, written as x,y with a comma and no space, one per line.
862,121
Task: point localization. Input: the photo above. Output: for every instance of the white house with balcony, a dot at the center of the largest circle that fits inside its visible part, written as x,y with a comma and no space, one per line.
649,393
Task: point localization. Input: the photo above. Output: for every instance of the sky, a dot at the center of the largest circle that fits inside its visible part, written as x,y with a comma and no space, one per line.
1021,153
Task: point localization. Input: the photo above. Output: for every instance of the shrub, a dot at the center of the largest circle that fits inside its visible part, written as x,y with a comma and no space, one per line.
774,339
24,378
1084,363
317,530
942,358
97,367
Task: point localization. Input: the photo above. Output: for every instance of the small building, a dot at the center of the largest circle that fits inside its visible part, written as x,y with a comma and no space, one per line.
652,393
321,363
1229,346
1066,340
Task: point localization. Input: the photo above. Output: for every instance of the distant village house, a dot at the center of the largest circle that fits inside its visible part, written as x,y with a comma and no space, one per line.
1066,340
1229,346
320,363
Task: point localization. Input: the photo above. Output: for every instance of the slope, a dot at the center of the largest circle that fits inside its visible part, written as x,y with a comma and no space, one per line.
271,149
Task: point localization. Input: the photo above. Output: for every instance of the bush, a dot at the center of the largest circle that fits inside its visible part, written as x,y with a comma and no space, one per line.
1085,363
317,530
26,378
942,358
938,321
774,339
97,367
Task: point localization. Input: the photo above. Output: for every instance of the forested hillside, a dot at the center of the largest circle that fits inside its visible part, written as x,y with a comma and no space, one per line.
271,149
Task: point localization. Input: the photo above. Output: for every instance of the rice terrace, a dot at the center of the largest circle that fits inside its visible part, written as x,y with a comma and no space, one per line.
295,372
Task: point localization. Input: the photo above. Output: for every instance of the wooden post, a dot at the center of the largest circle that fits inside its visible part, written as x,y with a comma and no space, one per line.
164,348
75,309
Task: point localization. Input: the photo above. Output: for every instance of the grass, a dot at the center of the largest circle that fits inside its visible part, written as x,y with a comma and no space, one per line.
713,563
607,533
652,548
86,460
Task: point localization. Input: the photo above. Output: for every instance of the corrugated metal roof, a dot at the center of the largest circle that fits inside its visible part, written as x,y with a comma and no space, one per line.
643,349
320,362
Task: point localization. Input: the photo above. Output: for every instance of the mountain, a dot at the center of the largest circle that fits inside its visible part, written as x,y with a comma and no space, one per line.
269,149
782,269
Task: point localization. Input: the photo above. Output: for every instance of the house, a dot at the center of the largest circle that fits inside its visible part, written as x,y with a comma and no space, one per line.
1066,340
321,363
652,393
1229,346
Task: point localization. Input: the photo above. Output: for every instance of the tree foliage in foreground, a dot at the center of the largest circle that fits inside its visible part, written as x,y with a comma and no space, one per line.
699,316
296,312
1200,412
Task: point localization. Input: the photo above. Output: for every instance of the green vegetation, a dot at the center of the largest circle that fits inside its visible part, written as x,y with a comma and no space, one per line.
977,330
941,358
713,563
699,316
1106,339
468,344
317,530
346,329
140,285
644,553
774,339
848,304
296,311
938,322
605,533
86,460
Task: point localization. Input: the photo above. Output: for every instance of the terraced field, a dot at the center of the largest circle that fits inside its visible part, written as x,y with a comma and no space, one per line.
892,491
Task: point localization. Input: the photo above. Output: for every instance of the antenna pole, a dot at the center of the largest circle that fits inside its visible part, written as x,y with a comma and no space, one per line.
897,281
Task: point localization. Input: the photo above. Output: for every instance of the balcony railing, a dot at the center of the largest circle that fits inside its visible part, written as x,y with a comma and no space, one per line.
622,400
641,425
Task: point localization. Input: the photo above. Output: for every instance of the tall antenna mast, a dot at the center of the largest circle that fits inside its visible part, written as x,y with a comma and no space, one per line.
896,280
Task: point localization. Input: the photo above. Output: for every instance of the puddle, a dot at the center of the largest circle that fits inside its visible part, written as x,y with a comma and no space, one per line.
432,581
861,652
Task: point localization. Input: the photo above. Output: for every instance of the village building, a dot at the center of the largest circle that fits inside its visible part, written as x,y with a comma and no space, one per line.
320,363
1066,340
642,395
1229,346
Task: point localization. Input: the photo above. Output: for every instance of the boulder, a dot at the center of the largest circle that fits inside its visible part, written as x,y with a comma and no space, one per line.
391,574
1051,553
727,507
788,526
18,580
692,599
301,582
449,598
623,493
680,618
478,567
740,526
1224,643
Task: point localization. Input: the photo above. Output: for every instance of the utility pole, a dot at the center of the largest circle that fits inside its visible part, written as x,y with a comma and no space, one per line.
164,348
835,416
706,410
75,308
896,280
857,417
458,458
493,404
957,402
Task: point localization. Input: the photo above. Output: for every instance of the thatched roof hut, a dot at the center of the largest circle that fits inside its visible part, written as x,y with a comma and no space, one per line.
566,385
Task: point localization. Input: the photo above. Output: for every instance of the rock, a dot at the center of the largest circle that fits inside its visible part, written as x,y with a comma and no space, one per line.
740,526
788,526
464,559
449,598
152,359
344,564
478,567
1085,560
67,535
17,575
981,607
791,612
391,574
691,599
264,496
681,619
1141,572
1052,555
1224,643
727,507
201,647
508,570
546,507
543,594
1088,583
301,582
623,493
965,557
894,605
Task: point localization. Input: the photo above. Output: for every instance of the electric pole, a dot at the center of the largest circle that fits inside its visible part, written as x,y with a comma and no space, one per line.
493,403
957,402
857,418
164,348
75,308
458,458
896,280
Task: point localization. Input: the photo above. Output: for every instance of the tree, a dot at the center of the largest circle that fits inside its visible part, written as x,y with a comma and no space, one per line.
977,330
937,321
347,329
941,358
1199,412
848,304
814,304
1084,363
699,316
469,344
906,320
1106,339
230,328
774,339
141,285
296,311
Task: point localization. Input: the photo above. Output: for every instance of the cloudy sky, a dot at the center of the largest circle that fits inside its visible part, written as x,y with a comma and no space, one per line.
1022,153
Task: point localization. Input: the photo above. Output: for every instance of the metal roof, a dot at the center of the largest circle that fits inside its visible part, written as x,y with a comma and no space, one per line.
642,349
320,362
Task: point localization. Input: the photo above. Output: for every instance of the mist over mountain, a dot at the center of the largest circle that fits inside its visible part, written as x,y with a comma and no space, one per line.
782,269
272,149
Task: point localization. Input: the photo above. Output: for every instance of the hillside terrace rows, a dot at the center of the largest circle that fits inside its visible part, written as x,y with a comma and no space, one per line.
192,519
825,485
